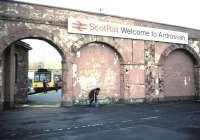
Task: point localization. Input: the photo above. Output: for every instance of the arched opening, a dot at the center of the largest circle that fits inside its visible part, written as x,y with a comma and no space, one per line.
179,75
28,62
97,65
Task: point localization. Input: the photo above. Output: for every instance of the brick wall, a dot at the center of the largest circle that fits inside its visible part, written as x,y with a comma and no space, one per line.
141,73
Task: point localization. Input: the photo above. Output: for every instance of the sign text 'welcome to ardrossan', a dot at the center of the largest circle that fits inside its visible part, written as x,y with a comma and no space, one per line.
95,27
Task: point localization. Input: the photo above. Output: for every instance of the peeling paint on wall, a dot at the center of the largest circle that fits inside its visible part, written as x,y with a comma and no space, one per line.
116,58
74,70
195,45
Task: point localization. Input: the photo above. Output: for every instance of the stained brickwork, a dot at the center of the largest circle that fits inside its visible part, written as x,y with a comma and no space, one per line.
140,66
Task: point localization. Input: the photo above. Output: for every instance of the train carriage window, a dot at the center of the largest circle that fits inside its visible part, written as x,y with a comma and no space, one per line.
40,77
37,78
48,77
43,77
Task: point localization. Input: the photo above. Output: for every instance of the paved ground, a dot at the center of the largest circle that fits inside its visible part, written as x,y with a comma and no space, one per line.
50,98
165,121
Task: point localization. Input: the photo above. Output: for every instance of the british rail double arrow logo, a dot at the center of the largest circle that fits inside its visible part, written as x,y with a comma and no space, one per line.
79,26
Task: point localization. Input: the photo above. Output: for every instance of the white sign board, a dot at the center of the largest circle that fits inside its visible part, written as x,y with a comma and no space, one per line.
95,27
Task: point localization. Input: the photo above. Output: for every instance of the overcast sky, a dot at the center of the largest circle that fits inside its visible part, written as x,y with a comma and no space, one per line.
175,12
42,52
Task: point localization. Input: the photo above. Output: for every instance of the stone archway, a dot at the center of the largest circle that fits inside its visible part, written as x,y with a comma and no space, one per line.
9,40
75,47
82,45
178,73
5,41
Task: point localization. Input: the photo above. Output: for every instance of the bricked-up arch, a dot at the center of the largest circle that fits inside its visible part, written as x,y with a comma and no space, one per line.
174,47
190,59
98,64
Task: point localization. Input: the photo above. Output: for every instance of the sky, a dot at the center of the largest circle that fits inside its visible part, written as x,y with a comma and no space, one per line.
42,51
174,12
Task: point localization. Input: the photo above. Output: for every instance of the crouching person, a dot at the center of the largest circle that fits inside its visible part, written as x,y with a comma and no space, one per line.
93,96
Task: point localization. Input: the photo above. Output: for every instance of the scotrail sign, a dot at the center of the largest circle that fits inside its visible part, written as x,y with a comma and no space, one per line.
95,27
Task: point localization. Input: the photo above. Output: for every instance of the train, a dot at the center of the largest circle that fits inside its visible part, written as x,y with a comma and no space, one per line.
53,80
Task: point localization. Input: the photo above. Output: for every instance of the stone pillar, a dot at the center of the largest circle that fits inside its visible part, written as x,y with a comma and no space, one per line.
67,96
12,76
151,73
21,71
122,84
1,84
8,77
197,82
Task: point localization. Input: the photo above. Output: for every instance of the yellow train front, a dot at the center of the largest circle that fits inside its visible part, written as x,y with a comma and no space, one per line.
43,75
